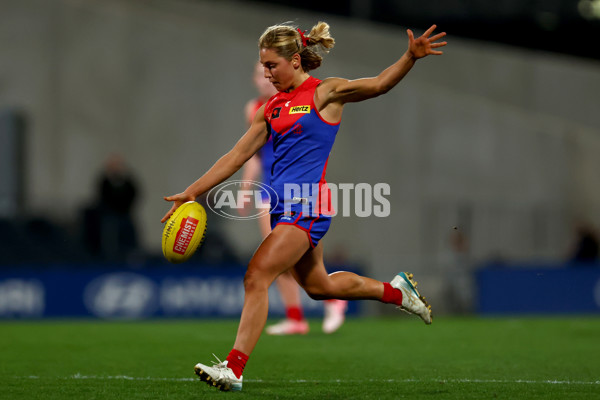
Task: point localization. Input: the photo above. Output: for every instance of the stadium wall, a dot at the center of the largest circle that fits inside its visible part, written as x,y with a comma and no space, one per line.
535,289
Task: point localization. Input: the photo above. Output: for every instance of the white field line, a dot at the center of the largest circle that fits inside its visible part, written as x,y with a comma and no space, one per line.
455,380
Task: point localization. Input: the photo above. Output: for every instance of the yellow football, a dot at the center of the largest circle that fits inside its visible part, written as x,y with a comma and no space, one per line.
184,232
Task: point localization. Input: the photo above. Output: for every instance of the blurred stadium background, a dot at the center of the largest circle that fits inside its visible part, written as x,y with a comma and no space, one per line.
499,137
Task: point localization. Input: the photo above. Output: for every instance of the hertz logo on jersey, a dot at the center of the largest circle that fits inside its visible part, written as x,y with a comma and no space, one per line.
300,110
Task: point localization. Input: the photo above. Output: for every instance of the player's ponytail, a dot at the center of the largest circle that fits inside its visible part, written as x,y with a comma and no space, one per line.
288,40
318,42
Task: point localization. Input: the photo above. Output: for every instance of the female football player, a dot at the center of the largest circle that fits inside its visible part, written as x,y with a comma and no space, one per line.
257,167
303,119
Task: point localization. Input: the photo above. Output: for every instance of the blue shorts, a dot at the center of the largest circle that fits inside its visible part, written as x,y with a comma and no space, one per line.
315,227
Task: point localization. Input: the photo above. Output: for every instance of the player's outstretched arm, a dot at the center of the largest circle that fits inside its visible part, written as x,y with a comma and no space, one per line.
254,138
344,91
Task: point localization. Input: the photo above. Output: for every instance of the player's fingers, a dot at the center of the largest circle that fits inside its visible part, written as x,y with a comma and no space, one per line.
437,53
169,213
166,217
438,36
431,29
436,45
410,35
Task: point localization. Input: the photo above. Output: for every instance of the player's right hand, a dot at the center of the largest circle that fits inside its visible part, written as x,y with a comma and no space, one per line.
177,199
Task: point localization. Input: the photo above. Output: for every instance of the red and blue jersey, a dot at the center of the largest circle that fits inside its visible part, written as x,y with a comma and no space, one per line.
302,141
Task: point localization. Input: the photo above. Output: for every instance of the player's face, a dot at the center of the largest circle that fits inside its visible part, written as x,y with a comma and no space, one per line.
263,85
277,69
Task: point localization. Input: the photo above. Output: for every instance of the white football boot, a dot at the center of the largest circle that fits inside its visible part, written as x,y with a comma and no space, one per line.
219,376
335,314
412,301
288,327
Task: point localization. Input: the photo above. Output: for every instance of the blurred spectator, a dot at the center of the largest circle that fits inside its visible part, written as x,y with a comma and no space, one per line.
459,275
586,244
110,232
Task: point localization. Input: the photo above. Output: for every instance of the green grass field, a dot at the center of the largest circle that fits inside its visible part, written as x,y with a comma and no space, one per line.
400,358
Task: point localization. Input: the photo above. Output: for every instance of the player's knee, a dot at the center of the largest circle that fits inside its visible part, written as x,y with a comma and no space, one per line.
251,281
255,279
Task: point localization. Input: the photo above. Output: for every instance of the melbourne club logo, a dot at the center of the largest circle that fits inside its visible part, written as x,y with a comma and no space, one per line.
242,199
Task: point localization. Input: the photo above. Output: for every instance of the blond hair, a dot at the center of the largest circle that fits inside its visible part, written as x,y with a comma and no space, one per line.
286,40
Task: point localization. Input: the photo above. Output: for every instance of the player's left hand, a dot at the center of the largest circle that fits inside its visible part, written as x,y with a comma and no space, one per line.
425,45
177,199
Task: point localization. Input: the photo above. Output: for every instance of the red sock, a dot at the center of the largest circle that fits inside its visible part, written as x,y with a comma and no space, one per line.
294,313
236,360
391,295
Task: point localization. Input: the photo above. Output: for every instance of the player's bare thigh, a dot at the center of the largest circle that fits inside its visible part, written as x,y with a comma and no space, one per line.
310,273
279,252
